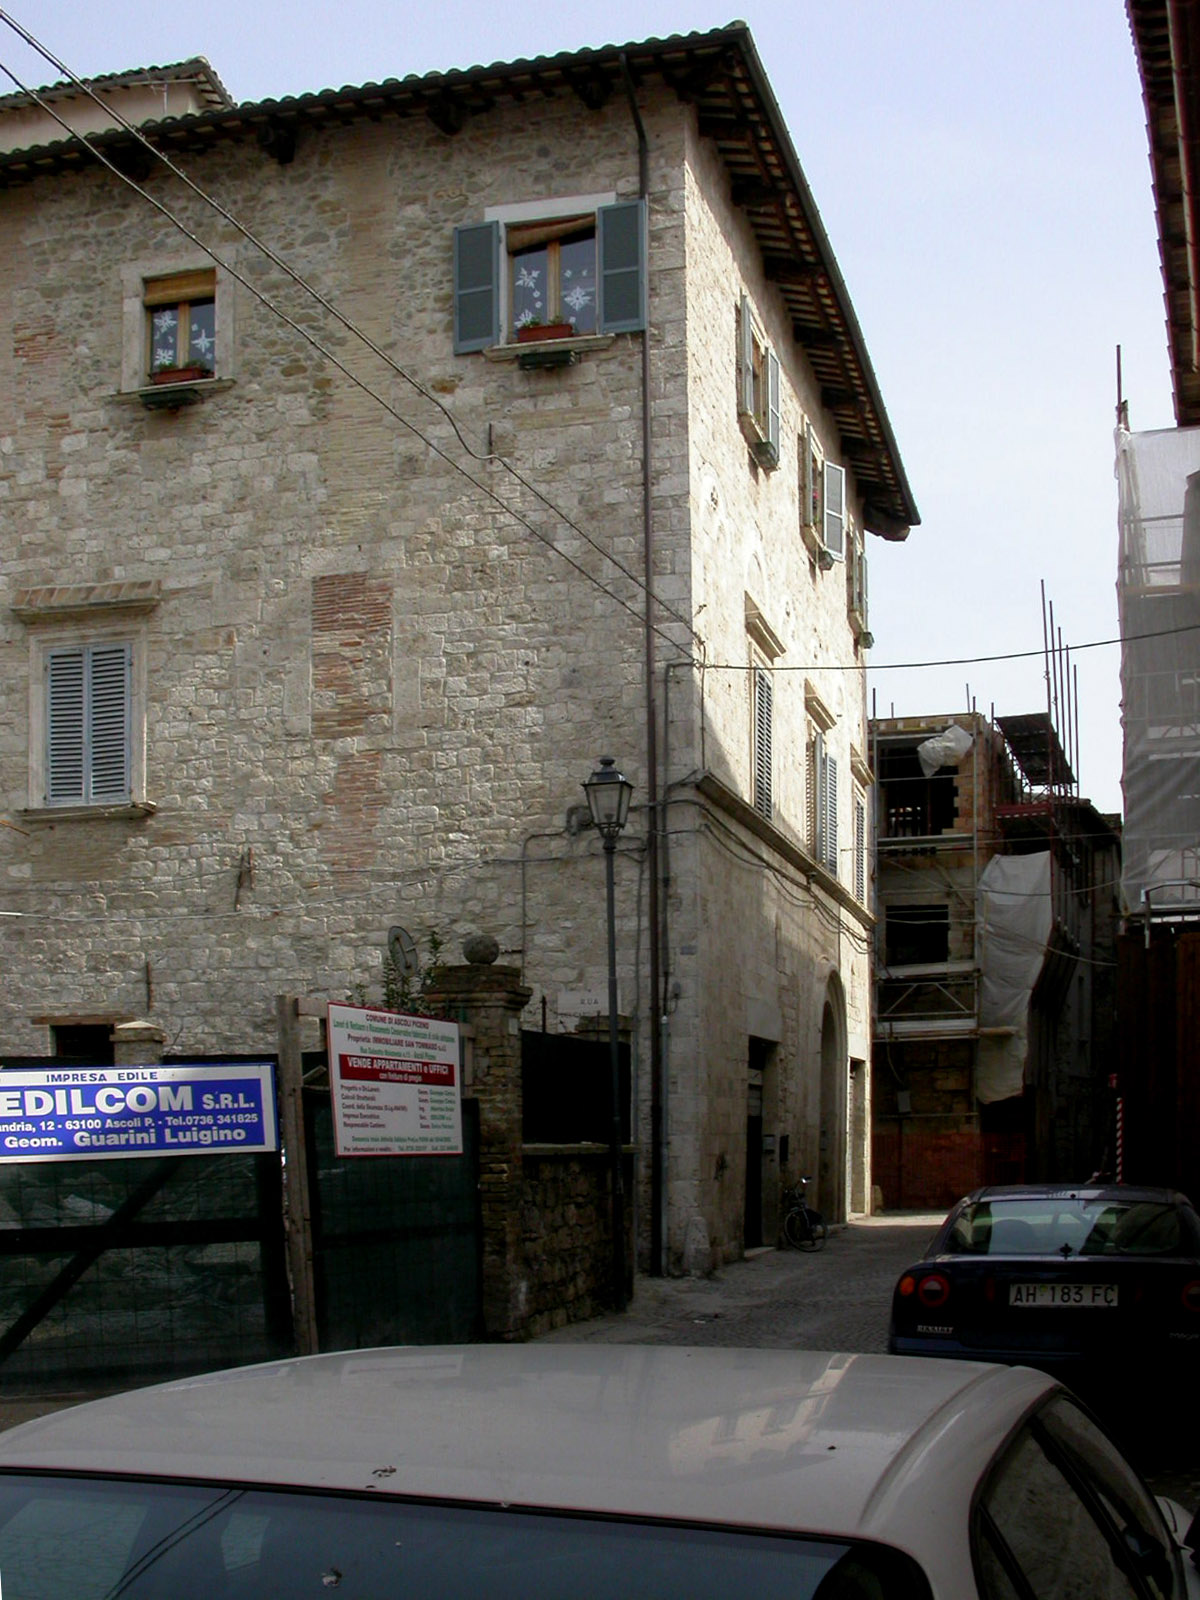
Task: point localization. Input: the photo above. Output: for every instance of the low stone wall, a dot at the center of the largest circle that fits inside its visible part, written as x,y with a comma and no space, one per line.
566,1237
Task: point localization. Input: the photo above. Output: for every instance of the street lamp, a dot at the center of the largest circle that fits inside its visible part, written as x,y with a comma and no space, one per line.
608,793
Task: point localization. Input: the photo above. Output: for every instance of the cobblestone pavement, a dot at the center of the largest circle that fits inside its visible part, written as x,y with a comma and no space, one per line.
834,1299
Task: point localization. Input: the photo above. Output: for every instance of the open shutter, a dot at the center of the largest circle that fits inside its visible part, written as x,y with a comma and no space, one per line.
763,724
64,725
476,286
860,851
621,246
835,510
109,722
770,456
745,359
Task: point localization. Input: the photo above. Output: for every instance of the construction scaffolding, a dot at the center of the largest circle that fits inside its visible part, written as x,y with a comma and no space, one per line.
1158,588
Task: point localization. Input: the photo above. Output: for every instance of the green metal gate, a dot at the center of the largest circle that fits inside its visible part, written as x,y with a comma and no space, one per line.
120,1270
397,1256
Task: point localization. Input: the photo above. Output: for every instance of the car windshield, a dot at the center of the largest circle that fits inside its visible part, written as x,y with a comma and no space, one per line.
1067,1225
66,1538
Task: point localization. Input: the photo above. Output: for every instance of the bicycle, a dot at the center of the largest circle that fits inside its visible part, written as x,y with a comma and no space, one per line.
803,1227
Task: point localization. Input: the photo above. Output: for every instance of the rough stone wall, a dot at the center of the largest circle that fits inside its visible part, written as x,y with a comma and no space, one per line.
769,979
361,671
566,1239
371,692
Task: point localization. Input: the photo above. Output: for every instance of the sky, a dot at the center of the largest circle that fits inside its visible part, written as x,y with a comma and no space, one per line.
983,174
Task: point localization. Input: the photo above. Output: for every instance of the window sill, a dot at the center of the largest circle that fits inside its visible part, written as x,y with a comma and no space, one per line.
173,396
550,352
133,810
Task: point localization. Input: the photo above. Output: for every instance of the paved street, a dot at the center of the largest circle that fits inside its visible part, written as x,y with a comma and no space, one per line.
831,1299
835,1299
838,1299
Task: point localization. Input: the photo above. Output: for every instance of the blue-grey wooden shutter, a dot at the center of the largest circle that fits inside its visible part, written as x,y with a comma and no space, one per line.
815,795
860,851
621,248
770,455
476,286
835,510
745,359
87,724
108,723
64,725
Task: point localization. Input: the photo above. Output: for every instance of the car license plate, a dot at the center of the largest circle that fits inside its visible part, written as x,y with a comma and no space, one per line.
1062,1294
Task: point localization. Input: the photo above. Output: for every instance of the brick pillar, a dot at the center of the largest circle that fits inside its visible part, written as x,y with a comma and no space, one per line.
137,1044
490,1000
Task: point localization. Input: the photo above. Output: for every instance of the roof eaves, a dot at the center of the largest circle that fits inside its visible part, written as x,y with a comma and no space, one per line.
720,72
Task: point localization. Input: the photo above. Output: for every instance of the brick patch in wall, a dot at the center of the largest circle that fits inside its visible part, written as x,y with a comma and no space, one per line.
352,654
355,804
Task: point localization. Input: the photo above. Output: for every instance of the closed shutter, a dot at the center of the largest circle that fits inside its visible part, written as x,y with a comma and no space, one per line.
763,709
64,725
831,815
476,286
621,246
816,762
109,722
835,510
87,724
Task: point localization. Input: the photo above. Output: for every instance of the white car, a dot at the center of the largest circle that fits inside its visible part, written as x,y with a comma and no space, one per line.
582,1472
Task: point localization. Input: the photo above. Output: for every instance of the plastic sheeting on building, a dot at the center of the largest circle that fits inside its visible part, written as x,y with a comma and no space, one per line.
945,749
1158,589
1015,921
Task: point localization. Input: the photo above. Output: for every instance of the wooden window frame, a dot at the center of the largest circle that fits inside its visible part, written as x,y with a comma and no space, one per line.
46,642
483,276
180,292
551,235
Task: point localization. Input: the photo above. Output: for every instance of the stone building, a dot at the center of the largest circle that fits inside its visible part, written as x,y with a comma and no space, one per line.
329,571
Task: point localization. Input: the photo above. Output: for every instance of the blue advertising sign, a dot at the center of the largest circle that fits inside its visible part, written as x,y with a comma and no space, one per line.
99,1113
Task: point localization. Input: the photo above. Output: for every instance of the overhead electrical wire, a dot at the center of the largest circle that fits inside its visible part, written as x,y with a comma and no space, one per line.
948,661
484,457
350,326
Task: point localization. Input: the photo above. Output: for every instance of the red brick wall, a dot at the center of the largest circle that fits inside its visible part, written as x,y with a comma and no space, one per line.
925,1165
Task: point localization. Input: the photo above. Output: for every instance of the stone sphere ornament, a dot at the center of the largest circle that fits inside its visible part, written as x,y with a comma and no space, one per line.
480,949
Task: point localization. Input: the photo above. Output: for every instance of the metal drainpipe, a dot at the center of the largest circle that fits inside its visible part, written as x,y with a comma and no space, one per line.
657,1174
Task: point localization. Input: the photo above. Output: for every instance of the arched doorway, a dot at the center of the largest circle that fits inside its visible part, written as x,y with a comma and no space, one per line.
831,1169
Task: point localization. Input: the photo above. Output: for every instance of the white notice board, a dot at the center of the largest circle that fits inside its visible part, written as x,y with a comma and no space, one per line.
395,1083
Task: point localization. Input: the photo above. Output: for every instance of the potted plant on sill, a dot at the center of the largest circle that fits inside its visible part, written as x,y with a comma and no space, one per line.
192,373
535,329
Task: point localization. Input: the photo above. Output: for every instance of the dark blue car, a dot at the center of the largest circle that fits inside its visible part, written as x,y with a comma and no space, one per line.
1073,1279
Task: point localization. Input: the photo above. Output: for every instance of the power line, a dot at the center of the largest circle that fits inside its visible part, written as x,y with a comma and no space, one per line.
949,661
350,326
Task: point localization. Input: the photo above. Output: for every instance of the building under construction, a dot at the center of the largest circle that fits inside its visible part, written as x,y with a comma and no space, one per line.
1158,586
997,903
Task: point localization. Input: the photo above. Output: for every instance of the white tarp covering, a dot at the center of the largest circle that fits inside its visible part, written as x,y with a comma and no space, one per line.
1015,919
945,749
1158,588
